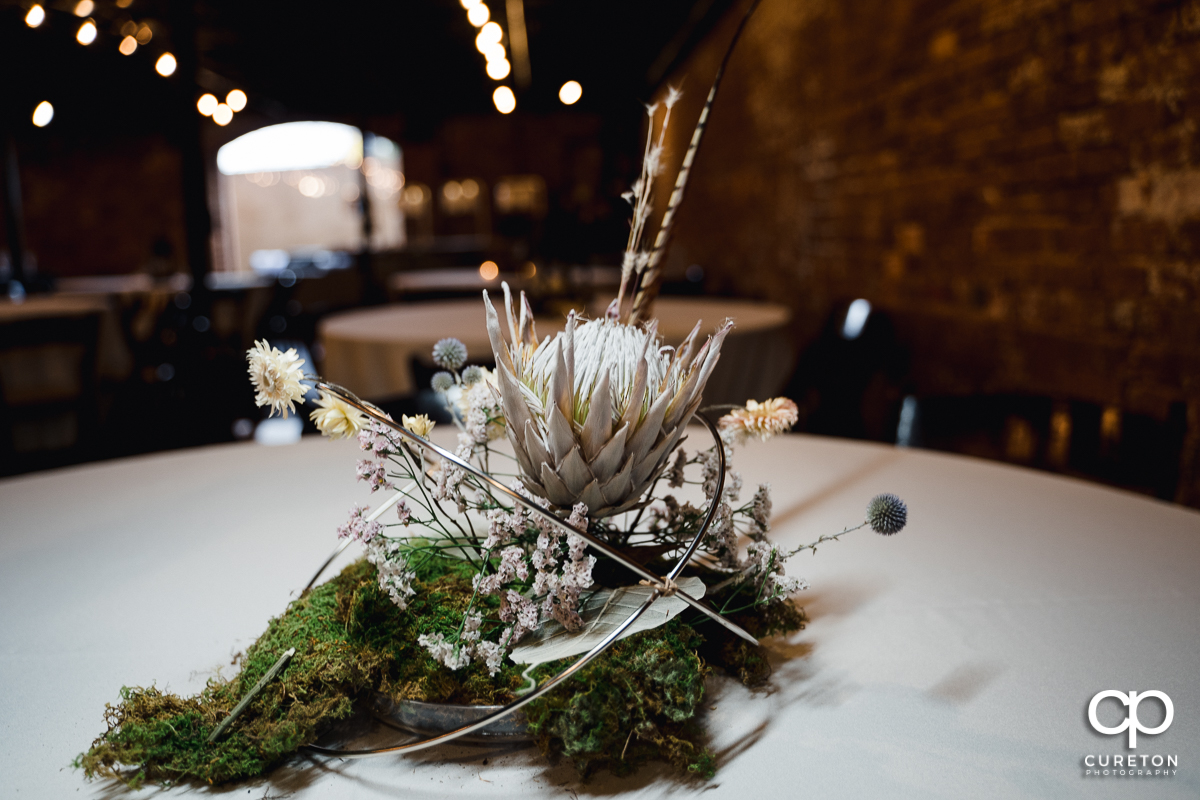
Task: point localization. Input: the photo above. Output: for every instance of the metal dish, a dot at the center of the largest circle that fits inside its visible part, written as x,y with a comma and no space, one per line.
435,718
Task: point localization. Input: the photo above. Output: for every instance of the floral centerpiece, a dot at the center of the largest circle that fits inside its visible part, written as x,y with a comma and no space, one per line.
570,563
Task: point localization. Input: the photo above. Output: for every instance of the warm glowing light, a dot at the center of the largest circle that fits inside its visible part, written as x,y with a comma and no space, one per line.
498,69
490,33
144,35
311,186
452,190
470,189
492,51
570,93
43,114
469,4
35,17
129,28
84,8
166,65
87,33
489,271
236,99
222,114
528,270
127,46
206,105
478,14
504,99
124,3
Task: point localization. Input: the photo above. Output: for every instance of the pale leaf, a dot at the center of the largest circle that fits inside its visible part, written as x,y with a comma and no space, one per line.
603,612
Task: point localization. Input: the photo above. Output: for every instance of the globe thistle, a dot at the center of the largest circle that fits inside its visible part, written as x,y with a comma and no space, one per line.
595,412
442,382
887,514
450,353
472,375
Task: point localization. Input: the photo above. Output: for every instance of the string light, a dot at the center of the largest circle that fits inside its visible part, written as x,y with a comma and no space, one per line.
478,14
469,4
166,65
127,46
124,3
36,16
493,51
84,8
504,99
489,271
222,115
144,35
87,33
491,33
43,114
570,93
498,69
207,104
236,99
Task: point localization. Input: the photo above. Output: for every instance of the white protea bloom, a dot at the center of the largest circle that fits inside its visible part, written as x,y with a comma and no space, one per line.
594,412
337,419
276,375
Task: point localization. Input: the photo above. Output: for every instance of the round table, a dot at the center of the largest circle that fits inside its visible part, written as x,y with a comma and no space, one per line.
956,659
371,351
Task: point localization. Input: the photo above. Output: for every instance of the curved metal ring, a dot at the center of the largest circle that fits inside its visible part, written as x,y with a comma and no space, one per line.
583,661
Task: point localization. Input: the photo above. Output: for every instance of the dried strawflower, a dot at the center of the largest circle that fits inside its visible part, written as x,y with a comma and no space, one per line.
759,420
421,424
595,412
449,353
887,514
335,418
442,382
276,377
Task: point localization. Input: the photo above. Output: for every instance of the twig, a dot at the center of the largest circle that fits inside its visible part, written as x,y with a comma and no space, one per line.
258,687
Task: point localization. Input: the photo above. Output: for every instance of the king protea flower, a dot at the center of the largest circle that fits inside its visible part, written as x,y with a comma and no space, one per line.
594,412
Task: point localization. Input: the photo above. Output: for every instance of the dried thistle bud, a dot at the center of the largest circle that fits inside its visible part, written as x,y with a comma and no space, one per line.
887,514
442,381
450,353
472,375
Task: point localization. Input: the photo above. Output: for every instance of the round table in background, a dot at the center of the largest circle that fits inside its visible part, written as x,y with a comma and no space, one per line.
955,659
371,351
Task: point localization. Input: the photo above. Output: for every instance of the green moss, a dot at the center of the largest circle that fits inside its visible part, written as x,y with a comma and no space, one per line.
634,703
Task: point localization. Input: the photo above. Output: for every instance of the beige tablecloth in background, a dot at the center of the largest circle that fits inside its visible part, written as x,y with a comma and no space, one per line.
954,660
371,351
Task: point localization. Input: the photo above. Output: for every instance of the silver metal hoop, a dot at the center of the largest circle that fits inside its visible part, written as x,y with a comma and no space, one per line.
653,580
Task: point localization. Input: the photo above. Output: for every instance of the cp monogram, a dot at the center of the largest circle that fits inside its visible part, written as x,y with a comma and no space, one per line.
1131,720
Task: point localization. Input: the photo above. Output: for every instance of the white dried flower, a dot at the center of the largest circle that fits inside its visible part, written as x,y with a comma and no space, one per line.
759,420
421,424
595,412
276,377
335,418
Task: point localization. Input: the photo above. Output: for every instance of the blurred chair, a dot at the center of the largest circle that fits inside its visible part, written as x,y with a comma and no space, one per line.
48,390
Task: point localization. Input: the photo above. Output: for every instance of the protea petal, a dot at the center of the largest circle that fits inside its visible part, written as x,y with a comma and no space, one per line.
595,412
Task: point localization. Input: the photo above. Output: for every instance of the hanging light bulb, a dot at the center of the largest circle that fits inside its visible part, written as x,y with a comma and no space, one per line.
207,104
86,33
144,35
236,99
570,93
222,115
36,16
43,114
84,8
469,4
166,65
478,14
498,69
127,46
504,99
493,51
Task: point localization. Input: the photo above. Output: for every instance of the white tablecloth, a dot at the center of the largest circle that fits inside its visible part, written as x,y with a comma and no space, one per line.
953,660
371,351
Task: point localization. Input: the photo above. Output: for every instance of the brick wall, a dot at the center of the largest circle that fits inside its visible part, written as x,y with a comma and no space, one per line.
1015,182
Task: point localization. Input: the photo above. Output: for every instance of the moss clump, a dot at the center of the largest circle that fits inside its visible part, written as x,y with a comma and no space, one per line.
634,703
